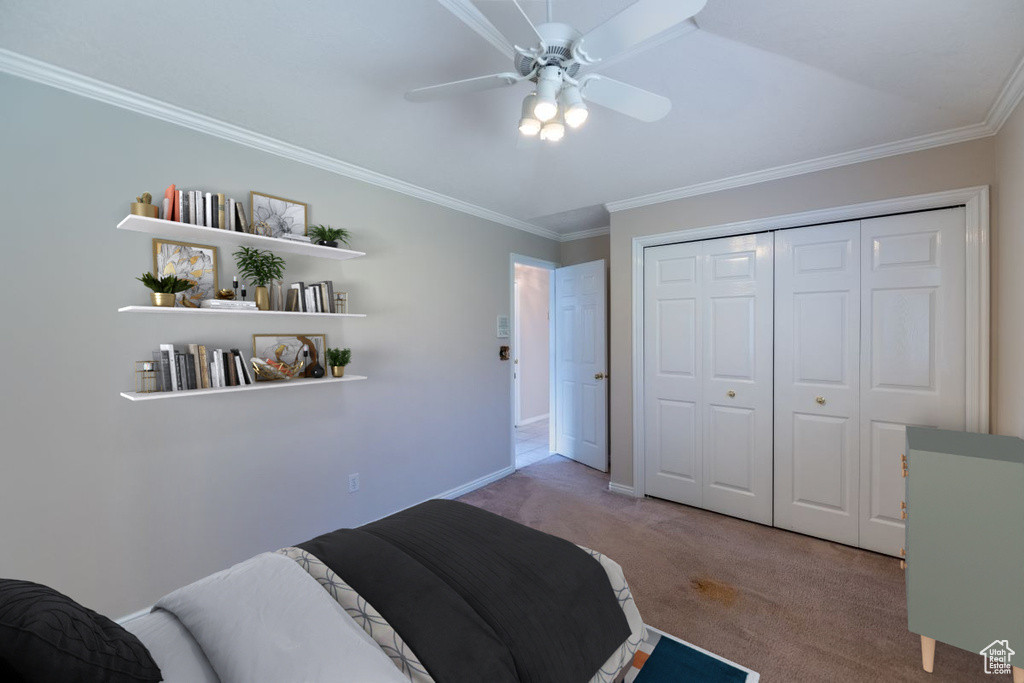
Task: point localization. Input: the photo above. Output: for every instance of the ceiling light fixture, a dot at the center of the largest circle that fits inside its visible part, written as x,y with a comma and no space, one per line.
573,108
548,84
528,125
553,130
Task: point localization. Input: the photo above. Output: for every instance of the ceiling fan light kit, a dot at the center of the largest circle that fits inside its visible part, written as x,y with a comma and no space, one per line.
552,54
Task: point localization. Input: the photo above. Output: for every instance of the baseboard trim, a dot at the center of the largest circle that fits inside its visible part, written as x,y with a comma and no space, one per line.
538,418
450,494
477,483
621,489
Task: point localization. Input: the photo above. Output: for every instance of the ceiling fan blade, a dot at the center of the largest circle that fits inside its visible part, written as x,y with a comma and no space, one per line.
624,98
435,92
510,19
635,24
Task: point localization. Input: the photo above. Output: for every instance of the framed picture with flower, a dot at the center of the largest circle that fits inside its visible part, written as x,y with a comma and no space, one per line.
275,217
196,263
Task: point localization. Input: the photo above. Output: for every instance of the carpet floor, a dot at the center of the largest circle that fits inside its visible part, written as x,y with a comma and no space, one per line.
790,607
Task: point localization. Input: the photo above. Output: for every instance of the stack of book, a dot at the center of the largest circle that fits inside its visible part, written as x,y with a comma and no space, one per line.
209,209
315,298
228,305
294,237
192,366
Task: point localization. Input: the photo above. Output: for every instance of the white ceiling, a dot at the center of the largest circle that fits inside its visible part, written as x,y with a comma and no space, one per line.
757,86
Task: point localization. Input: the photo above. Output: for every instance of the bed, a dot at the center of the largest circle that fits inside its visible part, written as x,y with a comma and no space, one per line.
441,593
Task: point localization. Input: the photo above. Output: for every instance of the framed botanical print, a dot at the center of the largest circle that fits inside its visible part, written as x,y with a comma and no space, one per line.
274,216
196,263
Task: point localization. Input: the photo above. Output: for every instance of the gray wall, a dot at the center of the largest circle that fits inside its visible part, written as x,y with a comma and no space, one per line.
943,168
117,503
586,250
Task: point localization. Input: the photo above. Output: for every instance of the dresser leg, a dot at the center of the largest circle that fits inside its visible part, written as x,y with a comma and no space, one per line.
927,653
1018,675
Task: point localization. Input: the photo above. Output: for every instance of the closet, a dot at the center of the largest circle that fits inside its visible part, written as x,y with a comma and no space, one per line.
781,369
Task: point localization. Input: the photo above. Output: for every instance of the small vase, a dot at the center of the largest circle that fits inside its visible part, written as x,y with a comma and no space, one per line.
162,299
338,370
262,297
317,371
277,295
148,210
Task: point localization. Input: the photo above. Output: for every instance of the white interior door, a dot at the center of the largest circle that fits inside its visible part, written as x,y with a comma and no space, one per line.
708,374
672,373
817,381
581,388
913,352
737,303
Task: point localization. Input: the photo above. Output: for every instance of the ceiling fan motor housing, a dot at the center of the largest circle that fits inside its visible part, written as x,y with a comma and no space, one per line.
558,39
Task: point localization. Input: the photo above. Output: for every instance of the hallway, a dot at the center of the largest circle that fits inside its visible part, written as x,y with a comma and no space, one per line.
532,443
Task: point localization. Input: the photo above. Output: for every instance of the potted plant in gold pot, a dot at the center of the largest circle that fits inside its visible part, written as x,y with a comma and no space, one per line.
259,268
164,288
338,359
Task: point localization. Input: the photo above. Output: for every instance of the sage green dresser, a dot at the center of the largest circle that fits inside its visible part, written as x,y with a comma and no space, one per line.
965,540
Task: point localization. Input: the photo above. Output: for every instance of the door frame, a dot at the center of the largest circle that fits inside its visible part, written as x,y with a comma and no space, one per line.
977,281
513,334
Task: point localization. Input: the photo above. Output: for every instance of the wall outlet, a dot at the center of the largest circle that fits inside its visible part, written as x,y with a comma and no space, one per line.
353,482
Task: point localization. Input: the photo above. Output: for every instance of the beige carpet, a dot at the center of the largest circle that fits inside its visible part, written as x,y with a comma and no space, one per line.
793,608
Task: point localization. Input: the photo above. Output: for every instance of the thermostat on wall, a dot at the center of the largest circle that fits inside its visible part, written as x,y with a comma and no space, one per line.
502,326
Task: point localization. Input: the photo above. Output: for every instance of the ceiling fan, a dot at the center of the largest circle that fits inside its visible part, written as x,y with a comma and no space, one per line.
552,54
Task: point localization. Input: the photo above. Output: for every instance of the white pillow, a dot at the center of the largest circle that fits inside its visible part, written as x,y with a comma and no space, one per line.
267,620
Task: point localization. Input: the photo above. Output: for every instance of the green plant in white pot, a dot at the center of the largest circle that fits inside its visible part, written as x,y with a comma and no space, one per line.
338,359
259,268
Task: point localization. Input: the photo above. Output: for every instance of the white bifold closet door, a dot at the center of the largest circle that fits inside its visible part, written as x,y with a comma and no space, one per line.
817,381
708,374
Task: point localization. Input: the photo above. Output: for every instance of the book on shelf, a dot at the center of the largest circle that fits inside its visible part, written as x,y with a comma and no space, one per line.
218,360
190,370
243,376
167,356
240,223
229,370
165,210
171,195
204,367
219,199
300,296
197,371
208,210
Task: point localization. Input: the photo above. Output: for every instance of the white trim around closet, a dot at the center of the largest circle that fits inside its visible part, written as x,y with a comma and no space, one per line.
976,202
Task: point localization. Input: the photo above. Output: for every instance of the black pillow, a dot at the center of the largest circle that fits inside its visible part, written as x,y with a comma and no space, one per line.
47,636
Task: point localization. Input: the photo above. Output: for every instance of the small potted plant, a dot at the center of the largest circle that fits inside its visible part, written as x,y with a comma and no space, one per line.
338,359
259,268
327,236
145,207
165,288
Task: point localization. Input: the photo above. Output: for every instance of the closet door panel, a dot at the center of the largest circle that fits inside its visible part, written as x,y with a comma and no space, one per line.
672,367
913,350
817,339
736,298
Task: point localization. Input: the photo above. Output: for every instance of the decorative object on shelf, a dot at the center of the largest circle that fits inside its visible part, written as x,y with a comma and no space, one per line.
144,206
260,268
277,295
287,348
146,377
341,302
280,215
262,229
164,289
327,236
223,295
196,263
338,359
270,370
228,305
314,370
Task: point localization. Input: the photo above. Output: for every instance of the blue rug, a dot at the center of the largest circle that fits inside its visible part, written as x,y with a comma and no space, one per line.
665,659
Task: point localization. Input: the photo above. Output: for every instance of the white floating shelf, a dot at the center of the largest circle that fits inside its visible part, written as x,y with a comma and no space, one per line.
215,237
180,310
258,386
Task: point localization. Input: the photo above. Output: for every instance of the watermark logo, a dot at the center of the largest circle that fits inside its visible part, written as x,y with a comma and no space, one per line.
997,657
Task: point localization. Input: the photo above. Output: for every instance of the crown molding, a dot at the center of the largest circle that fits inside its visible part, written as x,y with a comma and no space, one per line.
1005,103
584,234
889,149
1009,98
69,81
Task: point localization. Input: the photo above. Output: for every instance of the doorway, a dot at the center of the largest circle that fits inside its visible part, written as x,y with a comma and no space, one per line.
532,360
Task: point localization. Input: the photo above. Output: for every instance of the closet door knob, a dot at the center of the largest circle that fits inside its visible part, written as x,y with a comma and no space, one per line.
730,393
820,400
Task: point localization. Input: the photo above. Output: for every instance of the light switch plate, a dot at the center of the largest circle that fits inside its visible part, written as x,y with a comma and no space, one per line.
502,326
